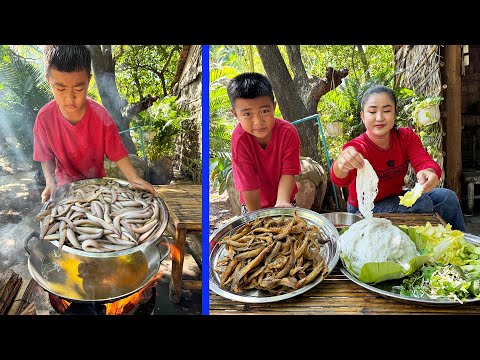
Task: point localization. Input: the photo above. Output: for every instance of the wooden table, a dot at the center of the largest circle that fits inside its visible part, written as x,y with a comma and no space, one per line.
184,203
337,294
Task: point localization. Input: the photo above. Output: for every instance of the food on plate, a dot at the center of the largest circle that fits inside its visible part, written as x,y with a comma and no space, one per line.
276,255
373,248
411,196
452,271
101,216
376,240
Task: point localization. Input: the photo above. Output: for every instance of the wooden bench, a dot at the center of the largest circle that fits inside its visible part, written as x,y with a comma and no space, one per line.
184,203
472,178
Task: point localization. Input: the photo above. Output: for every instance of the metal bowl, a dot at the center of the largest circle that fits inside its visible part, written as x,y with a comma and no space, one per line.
153,238
330,250
342,219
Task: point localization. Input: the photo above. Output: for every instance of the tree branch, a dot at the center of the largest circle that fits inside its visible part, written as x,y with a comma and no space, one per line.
296,64
332,79
133,109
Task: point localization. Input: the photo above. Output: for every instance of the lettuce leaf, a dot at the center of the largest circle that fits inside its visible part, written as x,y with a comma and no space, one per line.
411,196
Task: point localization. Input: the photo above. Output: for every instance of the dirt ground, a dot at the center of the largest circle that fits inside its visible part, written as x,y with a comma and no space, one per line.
220,211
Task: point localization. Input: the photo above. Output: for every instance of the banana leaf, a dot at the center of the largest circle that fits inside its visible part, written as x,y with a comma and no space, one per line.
375,272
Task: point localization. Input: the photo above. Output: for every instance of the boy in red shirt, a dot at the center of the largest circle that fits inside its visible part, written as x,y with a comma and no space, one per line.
72,133
265,149
390,150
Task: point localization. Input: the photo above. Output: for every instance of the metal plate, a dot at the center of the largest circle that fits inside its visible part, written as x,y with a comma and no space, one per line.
153,238
217,252
384,288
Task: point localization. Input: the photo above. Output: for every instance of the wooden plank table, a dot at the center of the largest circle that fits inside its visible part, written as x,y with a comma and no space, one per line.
337,294
184,203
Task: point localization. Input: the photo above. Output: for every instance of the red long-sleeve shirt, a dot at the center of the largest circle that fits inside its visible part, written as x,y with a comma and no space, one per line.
391,165
78,149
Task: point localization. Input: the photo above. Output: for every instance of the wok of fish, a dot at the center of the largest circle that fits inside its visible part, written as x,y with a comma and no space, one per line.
101,217
276,255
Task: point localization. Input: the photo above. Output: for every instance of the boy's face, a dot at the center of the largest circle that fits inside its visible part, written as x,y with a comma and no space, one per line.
256,116
70,92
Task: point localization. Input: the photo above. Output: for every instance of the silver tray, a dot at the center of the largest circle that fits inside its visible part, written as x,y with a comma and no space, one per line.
384,288
217,252
153,238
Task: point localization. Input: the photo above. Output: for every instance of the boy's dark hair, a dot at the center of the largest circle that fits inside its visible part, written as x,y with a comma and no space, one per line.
67,58
249,85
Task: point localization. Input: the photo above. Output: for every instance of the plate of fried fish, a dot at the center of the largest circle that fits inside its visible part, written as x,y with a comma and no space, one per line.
272,254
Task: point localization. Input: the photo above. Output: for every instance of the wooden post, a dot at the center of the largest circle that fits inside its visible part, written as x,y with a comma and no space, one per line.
453,121
175,286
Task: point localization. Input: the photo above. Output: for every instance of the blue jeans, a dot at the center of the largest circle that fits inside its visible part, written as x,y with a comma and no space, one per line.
441,200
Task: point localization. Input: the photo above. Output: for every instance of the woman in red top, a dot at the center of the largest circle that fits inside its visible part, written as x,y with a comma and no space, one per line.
390,150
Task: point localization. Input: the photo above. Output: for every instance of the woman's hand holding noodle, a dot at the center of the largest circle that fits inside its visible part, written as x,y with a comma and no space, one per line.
348,159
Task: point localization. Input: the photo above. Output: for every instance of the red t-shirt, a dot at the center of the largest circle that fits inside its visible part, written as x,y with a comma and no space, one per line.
391,165
256,168
78,149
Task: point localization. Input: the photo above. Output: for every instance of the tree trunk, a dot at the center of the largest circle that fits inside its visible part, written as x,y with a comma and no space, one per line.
298,97
363,59
288,98
122,112
104,70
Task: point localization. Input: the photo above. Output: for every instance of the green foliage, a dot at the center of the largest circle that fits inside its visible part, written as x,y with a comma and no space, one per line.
423,103
163,119
24,92
343,104
142,70
145,69
317,58
222,122
235,56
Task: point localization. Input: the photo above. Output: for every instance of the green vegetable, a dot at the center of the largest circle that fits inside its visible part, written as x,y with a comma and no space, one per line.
411,196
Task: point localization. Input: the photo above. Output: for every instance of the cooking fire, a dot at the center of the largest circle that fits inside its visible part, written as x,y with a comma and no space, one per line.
142,301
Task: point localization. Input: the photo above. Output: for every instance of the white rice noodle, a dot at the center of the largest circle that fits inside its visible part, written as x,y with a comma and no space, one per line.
376,240
367,189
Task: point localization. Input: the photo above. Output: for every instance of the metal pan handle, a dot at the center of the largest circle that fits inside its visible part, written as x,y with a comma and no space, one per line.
28,238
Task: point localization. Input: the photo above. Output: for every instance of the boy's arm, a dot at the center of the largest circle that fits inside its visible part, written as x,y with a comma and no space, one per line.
285,189
126,167
48,168
252,199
